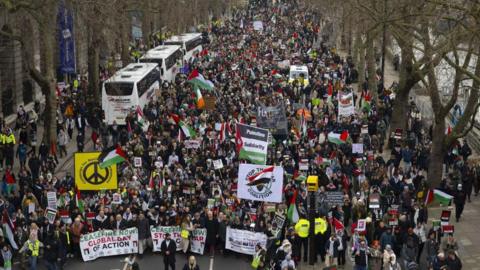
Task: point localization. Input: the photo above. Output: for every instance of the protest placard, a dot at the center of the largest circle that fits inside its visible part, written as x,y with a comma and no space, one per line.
243,241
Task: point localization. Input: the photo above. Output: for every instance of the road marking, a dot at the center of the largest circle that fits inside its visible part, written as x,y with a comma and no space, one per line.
211,264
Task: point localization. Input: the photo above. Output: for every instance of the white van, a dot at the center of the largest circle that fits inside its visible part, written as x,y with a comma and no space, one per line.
296,74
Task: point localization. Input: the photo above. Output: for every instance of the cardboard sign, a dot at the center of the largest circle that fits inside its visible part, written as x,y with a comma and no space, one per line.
357,148
116,198
52,199
361,225
209,102
303,165
50,214
445,217
137,162
218,164
334,198
374,201
448,229
192,144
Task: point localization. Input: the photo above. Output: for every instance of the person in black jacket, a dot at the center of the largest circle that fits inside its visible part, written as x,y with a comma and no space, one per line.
459,199
361,254
212,226
168,248
453,261
101,221
51,251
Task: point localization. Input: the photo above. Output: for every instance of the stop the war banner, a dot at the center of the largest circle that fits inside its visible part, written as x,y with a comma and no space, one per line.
242,241
108,243
197,240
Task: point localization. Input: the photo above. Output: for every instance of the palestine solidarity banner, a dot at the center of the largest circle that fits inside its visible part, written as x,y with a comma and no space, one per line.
260,183
108,243
243,241
345,105
252,143
197,240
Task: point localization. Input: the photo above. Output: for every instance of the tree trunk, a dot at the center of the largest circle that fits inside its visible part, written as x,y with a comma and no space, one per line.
361,65
371,66
48,89
93,71
435,165
405,85
356,48
124,43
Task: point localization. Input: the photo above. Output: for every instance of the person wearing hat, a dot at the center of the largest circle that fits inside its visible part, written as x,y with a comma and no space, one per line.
459,200
168,249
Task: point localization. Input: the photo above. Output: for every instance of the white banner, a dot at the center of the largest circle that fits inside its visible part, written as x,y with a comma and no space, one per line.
158,235
258,25
260,183
345,104
197,241
108,243
242,241
192,144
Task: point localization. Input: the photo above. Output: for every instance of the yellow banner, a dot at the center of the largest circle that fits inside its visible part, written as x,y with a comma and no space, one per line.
89,175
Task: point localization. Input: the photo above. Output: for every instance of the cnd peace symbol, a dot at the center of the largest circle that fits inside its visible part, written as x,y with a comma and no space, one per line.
93,174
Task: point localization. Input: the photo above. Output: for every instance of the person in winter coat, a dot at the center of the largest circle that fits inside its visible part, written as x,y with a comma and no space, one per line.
191,264
431,248
331,247
389,259
453,261
6,257
439,262
51,251
211,224
361,256
387,238
258,261
143,233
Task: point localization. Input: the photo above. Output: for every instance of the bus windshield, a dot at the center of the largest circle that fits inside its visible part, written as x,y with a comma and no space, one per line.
119,88
172,59
179,43
151,60
192,44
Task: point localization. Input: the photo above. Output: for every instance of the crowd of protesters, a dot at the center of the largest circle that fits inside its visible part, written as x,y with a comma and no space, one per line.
174,184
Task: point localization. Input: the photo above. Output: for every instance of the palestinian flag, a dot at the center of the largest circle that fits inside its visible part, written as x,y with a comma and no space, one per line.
79,202
292,213
187,130
366,102
199,81
338,225
321,161
262,177
111,157
140,117
439,196
330,94
199,98
338,138
8,229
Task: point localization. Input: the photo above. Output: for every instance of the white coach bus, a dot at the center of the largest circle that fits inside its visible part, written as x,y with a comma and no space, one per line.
168,58
191,44
128,88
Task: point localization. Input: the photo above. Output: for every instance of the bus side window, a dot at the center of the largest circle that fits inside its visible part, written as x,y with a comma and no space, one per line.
162,71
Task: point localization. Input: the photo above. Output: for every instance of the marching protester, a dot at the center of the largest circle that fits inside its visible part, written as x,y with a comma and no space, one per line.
168,249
